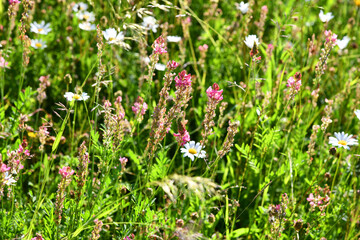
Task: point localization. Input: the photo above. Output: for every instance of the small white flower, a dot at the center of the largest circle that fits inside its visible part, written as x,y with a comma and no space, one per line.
243,7
149,22
112,36
38,44
343,43
87,26
160,67
173,38
342,140
251,40
325,17
357,113
8,179
87,16
73,96
80,7
193,150
146,60
40,28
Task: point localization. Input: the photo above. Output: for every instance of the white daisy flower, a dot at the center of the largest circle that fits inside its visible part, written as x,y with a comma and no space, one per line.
80,7
325,17
8,179
149,22
40,28
343,43
357,113
112,36
251,40
173,38
160,67
243,7
86,16
87,26
342,140
193,150
38,44
73,96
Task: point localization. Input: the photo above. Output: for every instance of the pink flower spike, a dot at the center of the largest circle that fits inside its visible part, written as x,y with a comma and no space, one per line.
14,1
4,168
214,92
66,171
172,65
3,63
311,197
183,80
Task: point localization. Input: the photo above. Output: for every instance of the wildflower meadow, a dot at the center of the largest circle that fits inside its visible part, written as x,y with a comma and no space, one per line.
181,119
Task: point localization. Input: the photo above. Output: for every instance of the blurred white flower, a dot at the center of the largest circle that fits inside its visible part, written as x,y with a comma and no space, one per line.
87,26
251,40
87,16
243,7
40,28
80,7
38,44
8,179
73,96
343,43
342,140
357,113
173,38
112,36
149,22
193,150
160,67
325,17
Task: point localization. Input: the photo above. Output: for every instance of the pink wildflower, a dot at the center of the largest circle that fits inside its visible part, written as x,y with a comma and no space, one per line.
203,48
182,137
264,8
214,92
4,168
172,65
123,161
183,80
139,105
159,46
107,104
14,1
66,171
3,63
294,83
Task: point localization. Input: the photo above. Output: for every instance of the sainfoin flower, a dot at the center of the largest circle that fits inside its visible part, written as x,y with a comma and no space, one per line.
357,113
74,96
40,28
342,140
159,46
325,17
139,106
343,43
149,22
4,168
87,26
112,36
192,150
66,171
183,79
214,92
331,37
38,44
251,40
14,1
3,63
243,7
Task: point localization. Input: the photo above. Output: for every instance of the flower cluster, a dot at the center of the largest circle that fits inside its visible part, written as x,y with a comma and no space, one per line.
66,173
277,215
140,106
44,83
214,97
86,17
228,143
95,234
82,171
183,79
159,46
123,161
183,136
41,28
294,84
331,38
319,199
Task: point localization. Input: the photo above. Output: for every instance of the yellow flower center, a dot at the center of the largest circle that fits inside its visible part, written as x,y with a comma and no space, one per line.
342,142
40,30
357,2
110,39
86,17
76,96
192,151
38,44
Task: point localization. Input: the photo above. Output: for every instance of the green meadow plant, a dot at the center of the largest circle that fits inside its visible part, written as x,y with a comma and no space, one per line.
179,119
